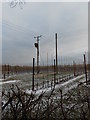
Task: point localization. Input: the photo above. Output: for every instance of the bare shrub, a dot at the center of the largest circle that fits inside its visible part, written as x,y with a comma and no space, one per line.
19,105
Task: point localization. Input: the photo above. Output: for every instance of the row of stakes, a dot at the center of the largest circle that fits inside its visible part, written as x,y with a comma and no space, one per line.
44,83
54,81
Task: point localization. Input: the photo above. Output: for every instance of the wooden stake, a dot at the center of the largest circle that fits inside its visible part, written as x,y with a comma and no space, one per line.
33,75
85,68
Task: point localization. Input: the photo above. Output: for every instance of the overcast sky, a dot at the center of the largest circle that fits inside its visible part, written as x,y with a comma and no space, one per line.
19,26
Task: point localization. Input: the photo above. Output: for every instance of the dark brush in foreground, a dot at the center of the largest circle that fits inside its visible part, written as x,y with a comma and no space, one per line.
18,105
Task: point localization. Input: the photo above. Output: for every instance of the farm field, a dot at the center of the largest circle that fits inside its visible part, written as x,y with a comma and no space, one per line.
24,80
63,90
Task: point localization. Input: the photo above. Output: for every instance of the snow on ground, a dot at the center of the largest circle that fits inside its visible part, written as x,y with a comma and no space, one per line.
27,84
1,80
72,83
11,81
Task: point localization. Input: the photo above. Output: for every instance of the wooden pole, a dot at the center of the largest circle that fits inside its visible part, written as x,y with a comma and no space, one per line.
85,67
38,55
47,65
56,54
33,75
54,73
74,68
5,71
8,69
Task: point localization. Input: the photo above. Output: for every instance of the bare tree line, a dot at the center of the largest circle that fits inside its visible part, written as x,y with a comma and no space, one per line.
61,68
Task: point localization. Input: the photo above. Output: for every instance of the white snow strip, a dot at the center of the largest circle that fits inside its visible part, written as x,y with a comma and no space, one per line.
63,85
9,82
72,80
1,79
38,91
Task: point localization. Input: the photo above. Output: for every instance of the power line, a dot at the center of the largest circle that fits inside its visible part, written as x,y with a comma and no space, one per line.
17,27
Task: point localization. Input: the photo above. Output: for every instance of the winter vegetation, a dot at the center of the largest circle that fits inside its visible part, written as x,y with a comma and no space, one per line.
73,105
64,96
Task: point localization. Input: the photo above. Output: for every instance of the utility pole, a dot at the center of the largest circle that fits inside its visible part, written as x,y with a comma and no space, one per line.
56,54
37,46
85,67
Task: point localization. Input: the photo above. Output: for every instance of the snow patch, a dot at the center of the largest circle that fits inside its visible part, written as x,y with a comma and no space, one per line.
5,82
63,86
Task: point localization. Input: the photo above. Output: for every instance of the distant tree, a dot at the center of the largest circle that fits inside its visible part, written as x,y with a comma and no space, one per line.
14,3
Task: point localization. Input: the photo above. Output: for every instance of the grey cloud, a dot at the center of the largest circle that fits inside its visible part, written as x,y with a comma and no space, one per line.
69,20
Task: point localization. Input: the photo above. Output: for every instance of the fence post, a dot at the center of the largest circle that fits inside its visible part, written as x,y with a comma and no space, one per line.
47,83
54,74
56,54
4,76
33,75
85,68
74,66
43,84
8,69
